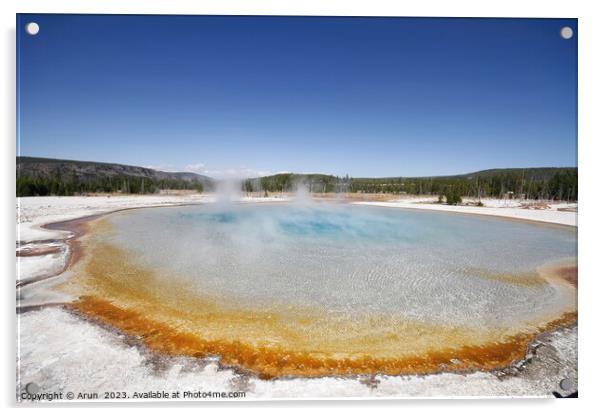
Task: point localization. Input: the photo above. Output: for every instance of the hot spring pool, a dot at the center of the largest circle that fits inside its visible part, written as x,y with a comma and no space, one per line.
331,281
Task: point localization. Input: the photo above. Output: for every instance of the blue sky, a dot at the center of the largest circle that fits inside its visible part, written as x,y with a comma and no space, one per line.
254,95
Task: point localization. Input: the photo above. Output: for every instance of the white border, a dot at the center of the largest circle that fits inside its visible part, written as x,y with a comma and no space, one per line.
590,66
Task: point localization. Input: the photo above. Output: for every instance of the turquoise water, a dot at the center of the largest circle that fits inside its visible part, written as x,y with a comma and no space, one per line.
351,259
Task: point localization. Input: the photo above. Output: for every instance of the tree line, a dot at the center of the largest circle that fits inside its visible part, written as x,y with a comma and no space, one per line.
289,182
545,183
556,184
73,185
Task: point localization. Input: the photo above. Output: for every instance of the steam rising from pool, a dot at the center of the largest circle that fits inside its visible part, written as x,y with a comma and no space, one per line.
302,196
227,191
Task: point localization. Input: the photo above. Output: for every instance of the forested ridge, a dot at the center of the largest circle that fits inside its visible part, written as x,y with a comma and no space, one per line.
40,176
532,183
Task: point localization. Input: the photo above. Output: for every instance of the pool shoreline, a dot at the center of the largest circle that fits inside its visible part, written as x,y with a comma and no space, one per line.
454,210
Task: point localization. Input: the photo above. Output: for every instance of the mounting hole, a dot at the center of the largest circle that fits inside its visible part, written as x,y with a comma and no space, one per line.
566,32
32,388
567,384
32,28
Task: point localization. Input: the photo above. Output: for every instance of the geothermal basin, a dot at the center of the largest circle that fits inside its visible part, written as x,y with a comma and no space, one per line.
281,290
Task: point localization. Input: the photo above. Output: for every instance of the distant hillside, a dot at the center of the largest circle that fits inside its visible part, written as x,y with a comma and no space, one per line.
530,174
41,176
536,183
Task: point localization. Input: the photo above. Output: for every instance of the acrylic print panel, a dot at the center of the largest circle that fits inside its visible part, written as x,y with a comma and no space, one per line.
237,207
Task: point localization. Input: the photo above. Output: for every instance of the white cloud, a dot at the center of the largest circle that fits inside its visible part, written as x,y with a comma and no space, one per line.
195,167
229,173
163,168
